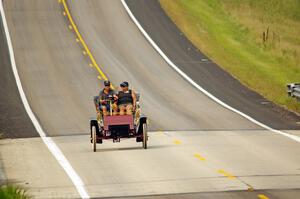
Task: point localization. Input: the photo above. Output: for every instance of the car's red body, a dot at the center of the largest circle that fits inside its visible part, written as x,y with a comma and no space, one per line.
118,120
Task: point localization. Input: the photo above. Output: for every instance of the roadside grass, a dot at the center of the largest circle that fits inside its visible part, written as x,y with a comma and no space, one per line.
257,41
13,192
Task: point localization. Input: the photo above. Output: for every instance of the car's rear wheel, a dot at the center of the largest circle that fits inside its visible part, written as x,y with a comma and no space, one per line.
94,137
145,136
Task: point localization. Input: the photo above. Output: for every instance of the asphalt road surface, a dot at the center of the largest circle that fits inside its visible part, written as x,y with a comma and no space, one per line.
205,72
14,121
196,148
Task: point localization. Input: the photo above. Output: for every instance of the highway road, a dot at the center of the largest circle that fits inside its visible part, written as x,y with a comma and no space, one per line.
197,148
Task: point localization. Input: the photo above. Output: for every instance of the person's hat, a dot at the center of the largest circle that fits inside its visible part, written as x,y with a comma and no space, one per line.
106,83
124,84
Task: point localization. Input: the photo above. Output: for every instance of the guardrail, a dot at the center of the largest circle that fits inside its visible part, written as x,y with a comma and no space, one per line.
294,90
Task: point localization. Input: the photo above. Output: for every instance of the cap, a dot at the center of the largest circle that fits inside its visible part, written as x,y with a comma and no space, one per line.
106,83
124,84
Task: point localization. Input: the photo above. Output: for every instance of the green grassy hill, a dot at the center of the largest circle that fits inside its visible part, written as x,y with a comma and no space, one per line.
257,41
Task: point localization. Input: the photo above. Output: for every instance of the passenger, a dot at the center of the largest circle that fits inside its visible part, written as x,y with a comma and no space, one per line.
104,96
126,100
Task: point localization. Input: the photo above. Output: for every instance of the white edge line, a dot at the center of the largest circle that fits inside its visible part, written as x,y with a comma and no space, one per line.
186,77
53,148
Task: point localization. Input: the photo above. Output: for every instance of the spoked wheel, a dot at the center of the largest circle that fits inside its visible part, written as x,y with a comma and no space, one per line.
94,137
145,136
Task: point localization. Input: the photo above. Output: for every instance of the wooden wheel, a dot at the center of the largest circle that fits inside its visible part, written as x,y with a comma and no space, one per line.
145,136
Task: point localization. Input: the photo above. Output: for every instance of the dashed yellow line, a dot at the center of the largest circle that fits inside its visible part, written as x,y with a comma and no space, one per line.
177,142
262,196
199,157
79,37
226,174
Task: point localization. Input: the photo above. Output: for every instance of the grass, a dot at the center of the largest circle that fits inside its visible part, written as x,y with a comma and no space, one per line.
13,192
257,41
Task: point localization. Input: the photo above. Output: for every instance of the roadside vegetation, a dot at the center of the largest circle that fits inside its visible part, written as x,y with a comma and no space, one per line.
13,192
257,41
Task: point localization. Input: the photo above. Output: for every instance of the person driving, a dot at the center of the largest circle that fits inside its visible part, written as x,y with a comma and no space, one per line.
126,99
106,94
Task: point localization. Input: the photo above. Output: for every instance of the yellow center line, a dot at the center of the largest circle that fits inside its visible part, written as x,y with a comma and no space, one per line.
199,157
262,196
177,142
226,174
87,50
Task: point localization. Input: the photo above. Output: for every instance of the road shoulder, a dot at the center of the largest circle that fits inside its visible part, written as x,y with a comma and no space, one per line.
205,72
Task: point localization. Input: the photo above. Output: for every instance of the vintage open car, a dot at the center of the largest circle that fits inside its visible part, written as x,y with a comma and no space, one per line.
117,127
